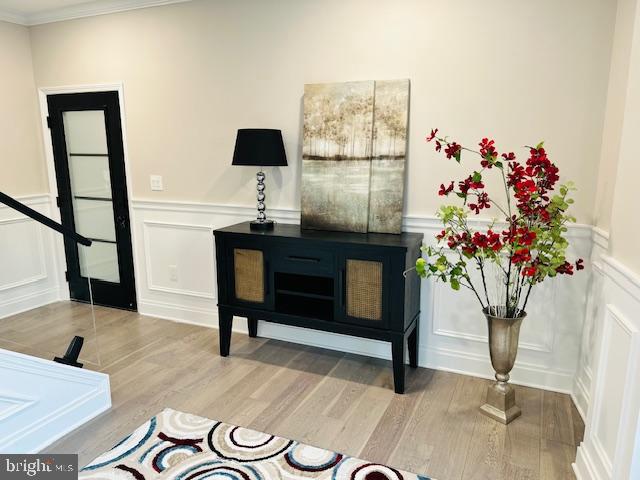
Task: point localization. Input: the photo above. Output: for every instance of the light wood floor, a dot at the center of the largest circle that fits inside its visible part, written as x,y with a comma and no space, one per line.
333,400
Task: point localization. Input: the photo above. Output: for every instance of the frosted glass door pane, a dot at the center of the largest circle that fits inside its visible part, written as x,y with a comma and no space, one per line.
94,219
88,157
100,261
85,132
90,176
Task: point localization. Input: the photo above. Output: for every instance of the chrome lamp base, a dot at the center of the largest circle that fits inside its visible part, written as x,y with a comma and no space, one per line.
261,223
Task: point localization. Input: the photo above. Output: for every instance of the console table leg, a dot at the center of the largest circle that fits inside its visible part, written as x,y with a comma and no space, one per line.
413,347
398,359
252,324
225,321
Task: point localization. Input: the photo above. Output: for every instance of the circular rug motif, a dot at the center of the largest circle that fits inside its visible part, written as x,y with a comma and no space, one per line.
354,469
184,425
199,468
305,458
244,445
173,455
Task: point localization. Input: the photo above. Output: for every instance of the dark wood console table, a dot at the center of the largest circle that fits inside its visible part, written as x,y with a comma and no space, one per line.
348,283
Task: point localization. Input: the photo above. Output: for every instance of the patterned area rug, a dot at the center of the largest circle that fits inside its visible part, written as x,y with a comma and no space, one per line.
179,446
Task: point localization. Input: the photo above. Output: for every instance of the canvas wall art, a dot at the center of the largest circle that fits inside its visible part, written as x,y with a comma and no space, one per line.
336,156
354,146
386,192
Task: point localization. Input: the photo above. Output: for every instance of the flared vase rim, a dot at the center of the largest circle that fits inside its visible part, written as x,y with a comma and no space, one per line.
521,314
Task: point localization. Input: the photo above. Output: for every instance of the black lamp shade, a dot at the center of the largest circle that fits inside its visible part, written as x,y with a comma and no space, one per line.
259,147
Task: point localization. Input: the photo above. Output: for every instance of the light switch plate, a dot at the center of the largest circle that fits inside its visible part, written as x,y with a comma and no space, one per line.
156,183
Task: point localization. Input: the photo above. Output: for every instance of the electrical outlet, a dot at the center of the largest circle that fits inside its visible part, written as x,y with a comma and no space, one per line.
173,273
156,183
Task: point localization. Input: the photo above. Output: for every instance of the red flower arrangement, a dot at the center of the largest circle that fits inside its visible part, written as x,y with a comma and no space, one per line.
532,245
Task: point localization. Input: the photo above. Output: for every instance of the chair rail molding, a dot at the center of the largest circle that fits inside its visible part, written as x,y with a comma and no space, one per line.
453,332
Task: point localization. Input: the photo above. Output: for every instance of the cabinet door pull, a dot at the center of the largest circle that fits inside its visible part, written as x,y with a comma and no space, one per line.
298,258
343,290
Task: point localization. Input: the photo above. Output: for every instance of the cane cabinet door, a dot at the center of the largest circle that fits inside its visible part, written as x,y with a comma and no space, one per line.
250,275
363,289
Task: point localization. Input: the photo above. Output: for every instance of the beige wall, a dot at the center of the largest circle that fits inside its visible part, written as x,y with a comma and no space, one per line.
22,167
197,71
615,109
625,221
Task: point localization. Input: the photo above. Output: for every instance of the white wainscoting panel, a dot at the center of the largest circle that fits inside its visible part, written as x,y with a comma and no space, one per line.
28,277
612,427
178,237
591,331
40,401
184,270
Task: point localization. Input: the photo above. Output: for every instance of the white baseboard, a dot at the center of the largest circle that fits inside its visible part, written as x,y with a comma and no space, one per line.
479,365
28,302
580,396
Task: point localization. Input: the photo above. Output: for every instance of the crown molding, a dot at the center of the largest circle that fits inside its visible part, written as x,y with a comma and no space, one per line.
89,9
12,17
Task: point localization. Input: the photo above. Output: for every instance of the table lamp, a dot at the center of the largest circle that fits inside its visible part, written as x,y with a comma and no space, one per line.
260,147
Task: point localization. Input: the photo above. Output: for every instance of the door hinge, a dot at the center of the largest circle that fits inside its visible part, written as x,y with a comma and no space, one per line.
66,276
49,122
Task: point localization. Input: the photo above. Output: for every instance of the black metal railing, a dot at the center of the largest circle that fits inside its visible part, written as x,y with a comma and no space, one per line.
38,217
71,357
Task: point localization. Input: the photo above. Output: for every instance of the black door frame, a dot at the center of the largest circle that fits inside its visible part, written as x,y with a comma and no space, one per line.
124,294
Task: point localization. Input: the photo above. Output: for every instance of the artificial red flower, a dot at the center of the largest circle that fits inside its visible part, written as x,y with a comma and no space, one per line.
438,146
521,256
526,186
452,150
509,156
487,152
480,240
489,240
445,190
432,135
469,250
580,264
529,271
526,236
483,200
469,184
566,268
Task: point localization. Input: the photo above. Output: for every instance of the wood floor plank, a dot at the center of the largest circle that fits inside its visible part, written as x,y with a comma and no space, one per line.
337,401
555,460
415,448
384,439
557,418
455,428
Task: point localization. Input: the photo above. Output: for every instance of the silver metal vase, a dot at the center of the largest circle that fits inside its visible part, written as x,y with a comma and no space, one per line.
503,348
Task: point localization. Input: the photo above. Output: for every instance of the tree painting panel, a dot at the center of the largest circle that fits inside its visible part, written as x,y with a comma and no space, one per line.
336,155
390,118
